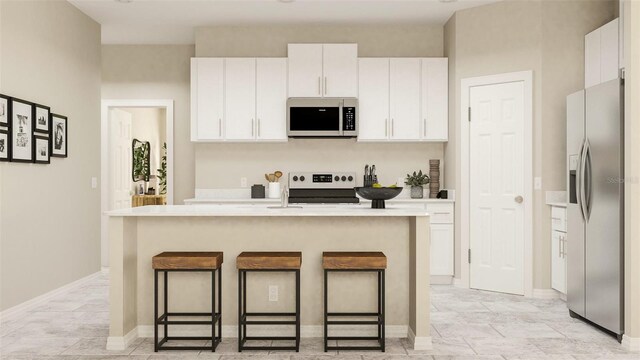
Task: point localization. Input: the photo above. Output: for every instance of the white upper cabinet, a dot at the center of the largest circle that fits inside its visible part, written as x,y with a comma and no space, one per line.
601,54
323,70
240,98
435,95
373,98
340,70
404,98
207,98
271,99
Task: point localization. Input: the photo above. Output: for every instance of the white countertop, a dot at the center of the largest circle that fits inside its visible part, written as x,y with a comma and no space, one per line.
265,211
558,204
277,201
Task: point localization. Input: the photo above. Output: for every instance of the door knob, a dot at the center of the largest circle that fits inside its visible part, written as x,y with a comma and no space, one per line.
519,199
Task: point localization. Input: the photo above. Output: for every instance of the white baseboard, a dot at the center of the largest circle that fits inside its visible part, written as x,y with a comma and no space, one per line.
631,343
306,331
419,342
105,270
547,294
122,342
458,283
20,309
441,279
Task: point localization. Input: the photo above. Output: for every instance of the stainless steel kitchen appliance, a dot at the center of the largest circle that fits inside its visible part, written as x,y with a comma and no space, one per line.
322,187
595,205
322,117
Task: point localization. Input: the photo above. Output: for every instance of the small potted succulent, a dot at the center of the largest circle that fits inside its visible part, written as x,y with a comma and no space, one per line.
416,181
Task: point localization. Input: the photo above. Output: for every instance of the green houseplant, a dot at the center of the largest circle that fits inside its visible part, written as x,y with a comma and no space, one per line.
162,172
416,181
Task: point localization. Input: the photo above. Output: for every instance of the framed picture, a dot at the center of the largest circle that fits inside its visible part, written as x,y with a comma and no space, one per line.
59,132
4,110
5,145
41,149
41,118
21,130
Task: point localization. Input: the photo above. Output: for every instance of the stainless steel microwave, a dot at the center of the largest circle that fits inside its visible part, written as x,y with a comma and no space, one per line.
322,117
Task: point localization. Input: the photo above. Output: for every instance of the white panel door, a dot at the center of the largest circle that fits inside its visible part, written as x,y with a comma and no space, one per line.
496,187
207,87
120,183
609,51
240,98
305,70
442,249
271,98
340,70
373,98
404,95
435,95
592,59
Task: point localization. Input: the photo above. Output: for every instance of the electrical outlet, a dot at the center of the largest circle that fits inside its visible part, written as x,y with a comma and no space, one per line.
537,183
273,293
243,182
94,182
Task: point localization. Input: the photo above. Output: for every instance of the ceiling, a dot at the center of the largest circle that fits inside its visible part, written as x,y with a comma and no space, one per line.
174,21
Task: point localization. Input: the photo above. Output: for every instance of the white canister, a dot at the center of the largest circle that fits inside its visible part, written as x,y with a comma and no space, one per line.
274,190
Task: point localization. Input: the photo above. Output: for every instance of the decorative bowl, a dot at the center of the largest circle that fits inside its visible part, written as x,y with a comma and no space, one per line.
378,195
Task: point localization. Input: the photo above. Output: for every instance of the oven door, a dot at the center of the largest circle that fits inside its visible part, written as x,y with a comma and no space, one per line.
311,117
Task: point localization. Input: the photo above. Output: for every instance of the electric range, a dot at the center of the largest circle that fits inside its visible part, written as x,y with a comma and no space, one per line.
322,188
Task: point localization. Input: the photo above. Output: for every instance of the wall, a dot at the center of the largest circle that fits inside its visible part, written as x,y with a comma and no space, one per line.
222,165
50,222
149,124
156,72
546,37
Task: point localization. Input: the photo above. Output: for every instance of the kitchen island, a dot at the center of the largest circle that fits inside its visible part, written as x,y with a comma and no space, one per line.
137,234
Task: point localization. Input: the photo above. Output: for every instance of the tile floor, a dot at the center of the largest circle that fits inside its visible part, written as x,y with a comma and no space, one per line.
467,324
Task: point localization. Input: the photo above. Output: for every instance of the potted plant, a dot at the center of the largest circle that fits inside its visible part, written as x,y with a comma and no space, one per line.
162,172
416,181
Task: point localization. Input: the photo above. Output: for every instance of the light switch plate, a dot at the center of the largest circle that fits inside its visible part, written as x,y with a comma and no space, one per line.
243,182
273,293
537,183
94,182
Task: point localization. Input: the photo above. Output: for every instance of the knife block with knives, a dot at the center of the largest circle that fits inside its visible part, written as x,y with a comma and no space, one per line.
370,176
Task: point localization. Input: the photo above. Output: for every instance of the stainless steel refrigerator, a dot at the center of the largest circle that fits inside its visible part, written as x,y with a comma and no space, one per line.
595,205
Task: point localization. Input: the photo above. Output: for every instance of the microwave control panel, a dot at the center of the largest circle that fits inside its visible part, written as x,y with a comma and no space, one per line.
349,118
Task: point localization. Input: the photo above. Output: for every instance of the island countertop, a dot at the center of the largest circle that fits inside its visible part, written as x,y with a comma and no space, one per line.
266,211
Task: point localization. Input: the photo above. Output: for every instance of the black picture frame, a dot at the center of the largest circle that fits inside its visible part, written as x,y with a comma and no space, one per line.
5,110
5,145
37,158
58,136
21,124
38,115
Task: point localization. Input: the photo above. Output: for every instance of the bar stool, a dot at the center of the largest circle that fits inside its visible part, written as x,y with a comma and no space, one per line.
354,262
187,261
266,262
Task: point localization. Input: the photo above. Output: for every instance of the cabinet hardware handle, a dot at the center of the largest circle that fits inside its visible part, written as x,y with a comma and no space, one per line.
220,127
386,127
258,127
441,213
319,85
325,85
564,247
555,218
392,127
559,246
252,127
424,127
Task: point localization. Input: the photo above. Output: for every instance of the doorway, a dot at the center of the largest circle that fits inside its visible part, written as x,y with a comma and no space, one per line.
137,156
497,176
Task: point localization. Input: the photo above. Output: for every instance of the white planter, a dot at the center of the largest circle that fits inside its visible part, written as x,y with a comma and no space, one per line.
274,190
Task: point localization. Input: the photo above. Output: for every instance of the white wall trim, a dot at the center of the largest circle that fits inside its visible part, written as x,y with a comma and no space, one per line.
463,194
20,309
421,342
115,343
631,343
104,157
547,294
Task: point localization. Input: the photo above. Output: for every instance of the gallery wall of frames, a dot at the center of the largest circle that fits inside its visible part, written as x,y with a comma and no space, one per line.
30,132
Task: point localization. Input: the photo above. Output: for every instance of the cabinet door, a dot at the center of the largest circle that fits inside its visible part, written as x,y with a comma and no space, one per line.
592,59
404,95
435,94
207,98
373,98
441,249
271,99
609,51
305,70
340,70
240,98
558,262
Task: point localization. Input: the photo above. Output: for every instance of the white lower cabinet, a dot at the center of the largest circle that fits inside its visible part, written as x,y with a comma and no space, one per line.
558,249
442,249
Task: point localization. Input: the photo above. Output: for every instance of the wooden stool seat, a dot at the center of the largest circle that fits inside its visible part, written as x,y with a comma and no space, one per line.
187,261
354,260
269,260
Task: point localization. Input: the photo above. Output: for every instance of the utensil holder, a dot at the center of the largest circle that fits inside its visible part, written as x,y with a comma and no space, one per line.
274,190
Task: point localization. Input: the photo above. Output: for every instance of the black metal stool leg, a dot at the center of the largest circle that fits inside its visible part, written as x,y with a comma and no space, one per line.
239,310
326,310
379,307
219,307
244,305
166,304
213,310
155,310
297,310
383,312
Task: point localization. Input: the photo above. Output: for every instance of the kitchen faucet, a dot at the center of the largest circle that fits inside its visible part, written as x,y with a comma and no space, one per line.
284,197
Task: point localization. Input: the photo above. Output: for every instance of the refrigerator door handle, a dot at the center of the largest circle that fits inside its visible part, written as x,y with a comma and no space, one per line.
588,189
579,182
